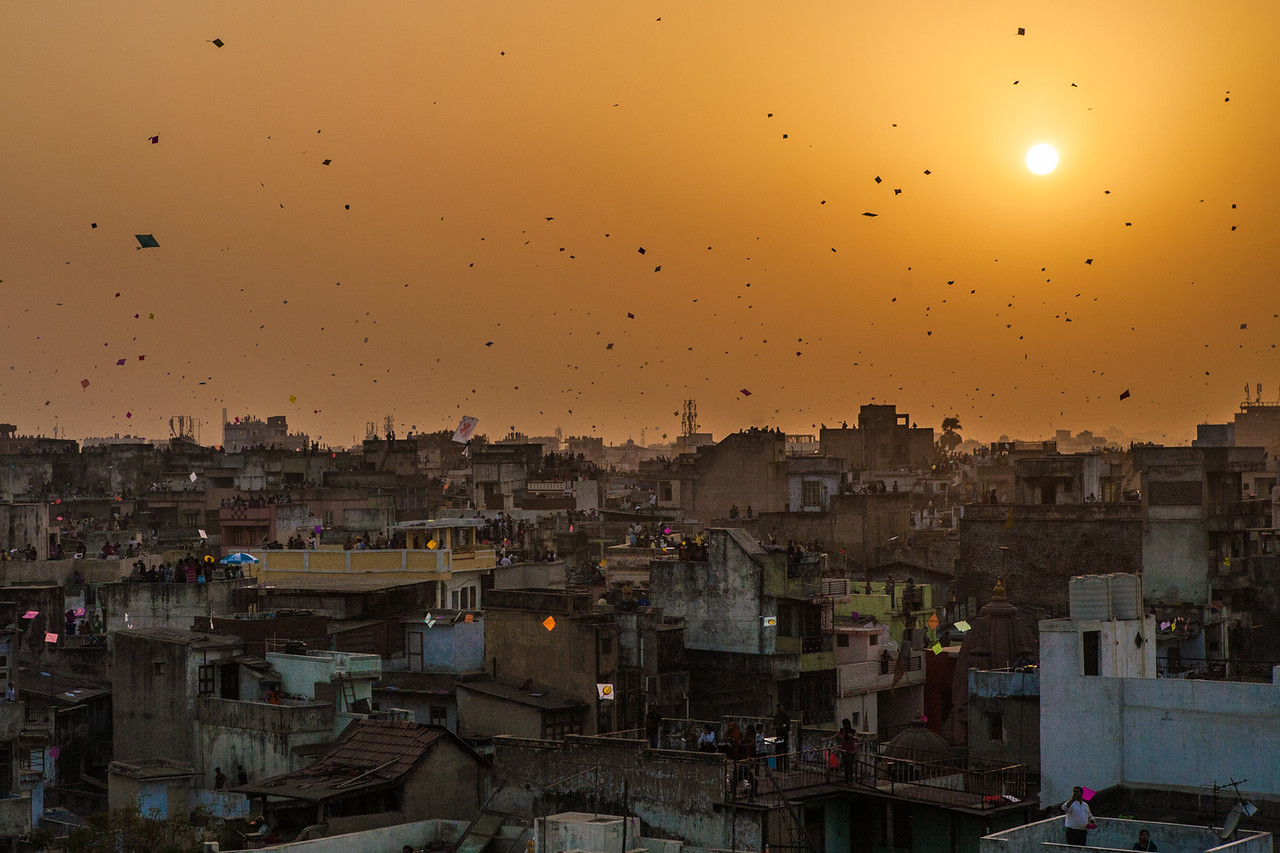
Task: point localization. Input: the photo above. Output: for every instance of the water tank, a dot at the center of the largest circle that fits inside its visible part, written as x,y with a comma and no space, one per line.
1126,596
1090,597
295,647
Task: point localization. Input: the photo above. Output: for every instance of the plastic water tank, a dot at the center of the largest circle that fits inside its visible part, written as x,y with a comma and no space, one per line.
295,647
1126,596
1090,597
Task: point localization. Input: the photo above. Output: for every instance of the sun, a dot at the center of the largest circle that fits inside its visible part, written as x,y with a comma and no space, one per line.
1042,159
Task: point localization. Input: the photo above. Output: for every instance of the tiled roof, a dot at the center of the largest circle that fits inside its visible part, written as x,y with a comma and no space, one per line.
369,754
390,747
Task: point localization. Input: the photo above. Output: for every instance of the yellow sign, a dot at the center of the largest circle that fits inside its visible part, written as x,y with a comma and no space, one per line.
549,622
432,544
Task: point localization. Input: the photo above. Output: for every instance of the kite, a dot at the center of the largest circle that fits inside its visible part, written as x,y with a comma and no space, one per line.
1125,395
146,241
154,139
744,392
84,383
549,623
466,427
218,42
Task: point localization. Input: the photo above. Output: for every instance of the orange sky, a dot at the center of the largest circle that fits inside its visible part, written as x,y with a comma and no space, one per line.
503,163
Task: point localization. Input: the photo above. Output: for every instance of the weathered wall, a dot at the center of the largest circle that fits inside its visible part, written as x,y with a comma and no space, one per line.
745,469
259,736
675,794
856,522
448,783
571,658
25,524
448,647
1016,698
1176,558
1047,546
153,712
134,605
481,715
722,601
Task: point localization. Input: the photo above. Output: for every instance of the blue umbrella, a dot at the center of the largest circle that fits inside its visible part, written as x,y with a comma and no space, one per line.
238,559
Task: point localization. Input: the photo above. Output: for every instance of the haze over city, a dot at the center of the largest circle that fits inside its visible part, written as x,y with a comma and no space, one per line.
578,216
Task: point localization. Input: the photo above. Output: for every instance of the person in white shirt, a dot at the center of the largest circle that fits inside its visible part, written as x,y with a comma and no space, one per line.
1077,818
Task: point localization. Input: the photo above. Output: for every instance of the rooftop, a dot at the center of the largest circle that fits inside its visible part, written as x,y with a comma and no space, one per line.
369,754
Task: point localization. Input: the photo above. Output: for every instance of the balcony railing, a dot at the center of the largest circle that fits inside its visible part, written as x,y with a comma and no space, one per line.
1259,671
913,663
956,782
820,643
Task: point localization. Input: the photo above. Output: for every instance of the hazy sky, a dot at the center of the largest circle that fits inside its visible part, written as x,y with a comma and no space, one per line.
495,169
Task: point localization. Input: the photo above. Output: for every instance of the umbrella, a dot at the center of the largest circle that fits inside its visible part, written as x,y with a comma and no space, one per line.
238,559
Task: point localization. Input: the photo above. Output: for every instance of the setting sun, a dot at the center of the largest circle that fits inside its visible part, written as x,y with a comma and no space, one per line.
1042,159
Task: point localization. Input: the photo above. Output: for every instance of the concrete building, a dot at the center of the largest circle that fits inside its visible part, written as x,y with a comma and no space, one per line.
745,469
197,699
883,438
880,683
379,773
1004,716
498,471
555,639
241,433
757,629
1107,721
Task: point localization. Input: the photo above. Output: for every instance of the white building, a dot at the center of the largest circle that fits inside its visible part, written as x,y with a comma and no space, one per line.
1107,720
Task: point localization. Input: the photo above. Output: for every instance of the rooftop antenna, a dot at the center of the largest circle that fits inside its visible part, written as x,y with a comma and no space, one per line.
689,421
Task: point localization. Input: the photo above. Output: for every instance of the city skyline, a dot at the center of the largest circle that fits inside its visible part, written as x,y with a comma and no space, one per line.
579,217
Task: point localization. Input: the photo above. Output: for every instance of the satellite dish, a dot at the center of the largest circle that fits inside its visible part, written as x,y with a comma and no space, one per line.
1229,825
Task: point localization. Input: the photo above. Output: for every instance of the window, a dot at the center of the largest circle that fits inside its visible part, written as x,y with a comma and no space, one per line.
207,676
557,724
463,599
842,640
811,494
438,715
875,640
855,718
1091,651
995,725
157,667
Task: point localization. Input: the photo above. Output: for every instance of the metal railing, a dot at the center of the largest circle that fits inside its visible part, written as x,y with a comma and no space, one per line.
913,663
1258,671
955,781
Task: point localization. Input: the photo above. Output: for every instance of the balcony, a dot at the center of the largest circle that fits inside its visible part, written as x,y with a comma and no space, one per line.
855,679
399,561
